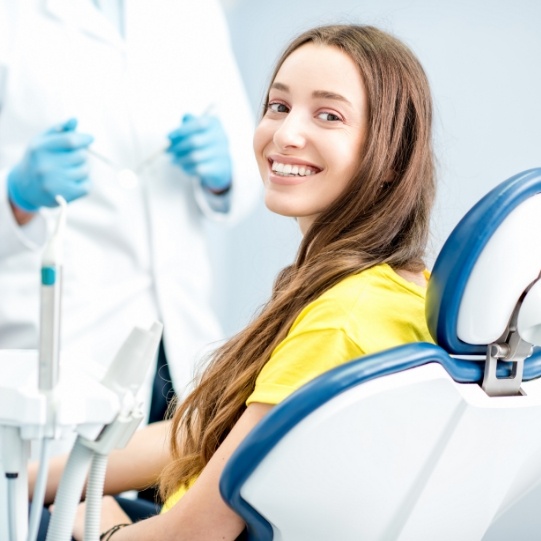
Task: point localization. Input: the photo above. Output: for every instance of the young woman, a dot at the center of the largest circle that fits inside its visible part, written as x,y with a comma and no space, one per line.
344,146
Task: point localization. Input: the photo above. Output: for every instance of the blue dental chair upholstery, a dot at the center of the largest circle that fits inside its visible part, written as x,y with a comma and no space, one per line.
423,441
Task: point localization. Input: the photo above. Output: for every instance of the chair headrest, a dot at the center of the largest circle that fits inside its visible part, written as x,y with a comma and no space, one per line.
490,259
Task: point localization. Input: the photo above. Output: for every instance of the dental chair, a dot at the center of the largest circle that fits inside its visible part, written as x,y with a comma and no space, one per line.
423,441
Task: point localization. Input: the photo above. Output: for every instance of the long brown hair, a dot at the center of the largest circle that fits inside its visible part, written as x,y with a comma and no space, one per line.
383,217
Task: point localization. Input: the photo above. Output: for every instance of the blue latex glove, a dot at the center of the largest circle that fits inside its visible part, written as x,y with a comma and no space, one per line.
54,164
200,148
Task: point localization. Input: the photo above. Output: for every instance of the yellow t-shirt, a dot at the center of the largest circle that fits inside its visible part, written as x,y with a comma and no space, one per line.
365,313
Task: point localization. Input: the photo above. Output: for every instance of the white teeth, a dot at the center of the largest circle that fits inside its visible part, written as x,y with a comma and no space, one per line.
288,169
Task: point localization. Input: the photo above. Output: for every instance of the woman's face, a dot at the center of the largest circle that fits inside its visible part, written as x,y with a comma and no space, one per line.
308,144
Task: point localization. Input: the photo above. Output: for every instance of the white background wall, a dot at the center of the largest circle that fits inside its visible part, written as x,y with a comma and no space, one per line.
483,58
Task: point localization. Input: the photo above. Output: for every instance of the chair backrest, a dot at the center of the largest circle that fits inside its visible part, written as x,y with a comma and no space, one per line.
488,261
405,444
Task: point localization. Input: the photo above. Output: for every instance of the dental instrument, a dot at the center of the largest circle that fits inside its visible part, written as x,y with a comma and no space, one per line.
102,158
51,285
155,155
128,177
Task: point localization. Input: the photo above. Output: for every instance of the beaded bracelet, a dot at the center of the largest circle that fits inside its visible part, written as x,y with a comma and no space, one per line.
107,534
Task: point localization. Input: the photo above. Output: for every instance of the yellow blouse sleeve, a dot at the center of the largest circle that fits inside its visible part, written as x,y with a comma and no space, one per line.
300,358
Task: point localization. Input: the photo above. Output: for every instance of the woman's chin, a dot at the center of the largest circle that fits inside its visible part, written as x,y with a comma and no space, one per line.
281,210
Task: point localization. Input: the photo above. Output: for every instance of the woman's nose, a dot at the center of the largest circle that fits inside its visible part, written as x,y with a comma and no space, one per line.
291,132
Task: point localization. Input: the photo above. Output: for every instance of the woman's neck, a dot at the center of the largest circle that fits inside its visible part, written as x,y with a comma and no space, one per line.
417,278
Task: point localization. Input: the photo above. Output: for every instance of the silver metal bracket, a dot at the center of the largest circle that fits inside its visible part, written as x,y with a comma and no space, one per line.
512,349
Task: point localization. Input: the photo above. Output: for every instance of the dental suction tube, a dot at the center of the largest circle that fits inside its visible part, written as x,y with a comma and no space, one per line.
51,284
49,353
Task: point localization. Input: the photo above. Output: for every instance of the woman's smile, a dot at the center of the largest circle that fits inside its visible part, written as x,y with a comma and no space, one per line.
287,170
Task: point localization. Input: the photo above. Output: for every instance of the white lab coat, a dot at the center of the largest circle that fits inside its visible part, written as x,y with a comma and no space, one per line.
131,255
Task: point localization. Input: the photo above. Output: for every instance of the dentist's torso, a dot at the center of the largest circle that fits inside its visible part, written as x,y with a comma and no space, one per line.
132,253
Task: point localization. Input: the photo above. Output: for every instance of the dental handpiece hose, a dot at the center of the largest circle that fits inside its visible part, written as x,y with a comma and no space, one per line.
49,354
51,285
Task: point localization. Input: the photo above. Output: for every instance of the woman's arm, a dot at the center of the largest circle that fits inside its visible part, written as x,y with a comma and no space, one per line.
136,466
201,514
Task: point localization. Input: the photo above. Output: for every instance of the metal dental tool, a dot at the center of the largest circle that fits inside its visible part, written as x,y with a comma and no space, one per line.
127,177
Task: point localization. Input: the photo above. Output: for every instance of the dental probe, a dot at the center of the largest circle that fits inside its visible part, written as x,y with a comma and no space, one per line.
158,153
103,158
127,176
51,283
154,156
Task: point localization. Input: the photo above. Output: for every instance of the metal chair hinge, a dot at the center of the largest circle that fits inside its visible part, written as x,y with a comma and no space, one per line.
512,350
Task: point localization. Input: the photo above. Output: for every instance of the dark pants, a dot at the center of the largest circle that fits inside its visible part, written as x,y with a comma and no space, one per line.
162,394
162,389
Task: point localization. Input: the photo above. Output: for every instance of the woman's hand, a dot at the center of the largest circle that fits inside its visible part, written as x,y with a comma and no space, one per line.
111,514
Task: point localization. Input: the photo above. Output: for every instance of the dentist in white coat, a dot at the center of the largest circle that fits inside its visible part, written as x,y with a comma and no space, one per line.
89,88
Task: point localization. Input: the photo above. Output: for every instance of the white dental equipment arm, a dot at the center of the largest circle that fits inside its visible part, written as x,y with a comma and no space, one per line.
16,447
38,403
123,378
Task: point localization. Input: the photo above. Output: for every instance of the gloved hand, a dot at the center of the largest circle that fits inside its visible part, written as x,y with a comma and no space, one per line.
54,164
200,147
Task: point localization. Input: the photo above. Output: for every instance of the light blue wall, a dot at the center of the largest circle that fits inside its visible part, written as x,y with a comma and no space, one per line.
483,58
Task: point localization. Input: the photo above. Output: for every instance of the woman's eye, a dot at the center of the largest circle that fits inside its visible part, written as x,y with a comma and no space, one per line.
329,117
277,108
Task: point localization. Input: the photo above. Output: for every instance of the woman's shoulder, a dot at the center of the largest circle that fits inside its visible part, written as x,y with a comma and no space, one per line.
376,281
365,295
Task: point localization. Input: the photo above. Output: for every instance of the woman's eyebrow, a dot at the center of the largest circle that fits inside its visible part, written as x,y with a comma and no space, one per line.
325,94
280,86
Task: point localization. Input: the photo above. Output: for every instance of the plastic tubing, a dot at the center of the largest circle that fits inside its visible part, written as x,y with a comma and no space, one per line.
39,491
12,508
94,493
69,493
